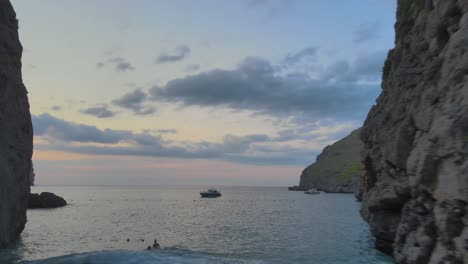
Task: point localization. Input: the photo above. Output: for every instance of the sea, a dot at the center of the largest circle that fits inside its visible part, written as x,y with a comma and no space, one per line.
115,224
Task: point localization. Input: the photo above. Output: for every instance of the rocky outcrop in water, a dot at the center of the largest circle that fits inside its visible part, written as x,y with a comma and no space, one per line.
415,186
337,168
296,188
15,130
45,200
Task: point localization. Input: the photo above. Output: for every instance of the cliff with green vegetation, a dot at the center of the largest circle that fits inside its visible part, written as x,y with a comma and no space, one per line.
337,168
415,184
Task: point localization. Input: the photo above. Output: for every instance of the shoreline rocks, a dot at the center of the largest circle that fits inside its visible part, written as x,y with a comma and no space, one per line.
45,200
296,188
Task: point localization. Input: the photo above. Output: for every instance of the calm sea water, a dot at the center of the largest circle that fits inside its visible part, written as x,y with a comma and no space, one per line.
245,225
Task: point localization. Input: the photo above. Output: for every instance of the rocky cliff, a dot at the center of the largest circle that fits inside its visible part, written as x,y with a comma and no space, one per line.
15,130
415,186
32,175
337,168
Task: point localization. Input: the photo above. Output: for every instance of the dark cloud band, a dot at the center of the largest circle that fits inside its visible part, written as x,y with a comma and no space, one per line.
342,91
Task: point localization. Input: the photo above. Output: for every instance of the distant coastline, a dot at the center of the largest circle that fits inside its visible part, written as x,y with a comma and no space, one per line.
336,170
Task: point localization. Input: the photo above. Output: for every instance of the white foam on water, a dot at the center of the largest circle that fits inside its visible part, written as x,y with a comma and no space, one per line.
171,256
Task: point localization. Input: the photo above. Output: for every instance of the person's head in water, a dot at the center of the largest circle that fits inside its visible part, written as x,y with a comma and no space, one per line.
156,245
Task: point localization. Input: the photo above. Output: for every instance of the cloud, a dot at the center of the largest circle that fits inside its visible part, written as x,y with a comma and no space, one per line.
161,131
146,110
370,65
341,91
273,8
308,53
192,68
131,100
366,67
367,32
61,135
56,108
167,131
61,130
134,101
99,111
120,64
179,54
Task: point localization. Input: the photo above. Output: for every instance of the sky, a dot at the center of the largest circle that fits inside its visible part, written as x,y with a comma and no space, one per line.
209,92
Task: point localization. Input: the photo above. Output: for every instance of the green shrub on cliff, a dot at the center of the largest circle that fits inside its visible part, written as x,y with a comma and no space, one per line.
352,171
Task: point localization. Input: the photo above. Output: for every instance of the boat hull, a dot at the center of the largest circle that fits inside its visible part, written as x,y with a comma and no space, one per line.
210,195
312,191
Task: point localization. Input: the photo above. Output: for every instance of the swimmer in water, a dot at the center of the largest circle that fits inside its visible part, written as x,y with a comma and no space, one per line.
156,245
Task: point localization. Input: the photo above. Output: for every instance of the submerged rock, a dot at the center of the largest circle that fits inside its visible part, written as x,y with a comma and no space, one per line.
415,186
45,200
337,168
16,133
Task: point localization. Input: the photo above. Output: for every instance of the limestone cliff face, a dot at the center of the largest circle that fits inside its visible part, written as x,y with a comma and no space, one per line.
415,186
15,130
337,168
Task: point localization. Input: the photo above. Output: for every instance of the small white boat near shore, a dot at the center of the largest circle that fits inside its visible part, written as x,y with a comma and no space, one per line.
312,191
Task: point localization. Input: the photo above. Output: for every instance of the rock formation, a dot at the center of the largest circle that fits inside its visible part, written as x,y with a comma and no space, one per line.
45,200
337,168
15,130
296,188
415,186
32,175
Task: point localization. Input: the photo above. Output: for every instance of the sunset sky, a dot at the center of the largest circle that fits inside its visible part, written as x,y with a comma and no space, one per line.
204,92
